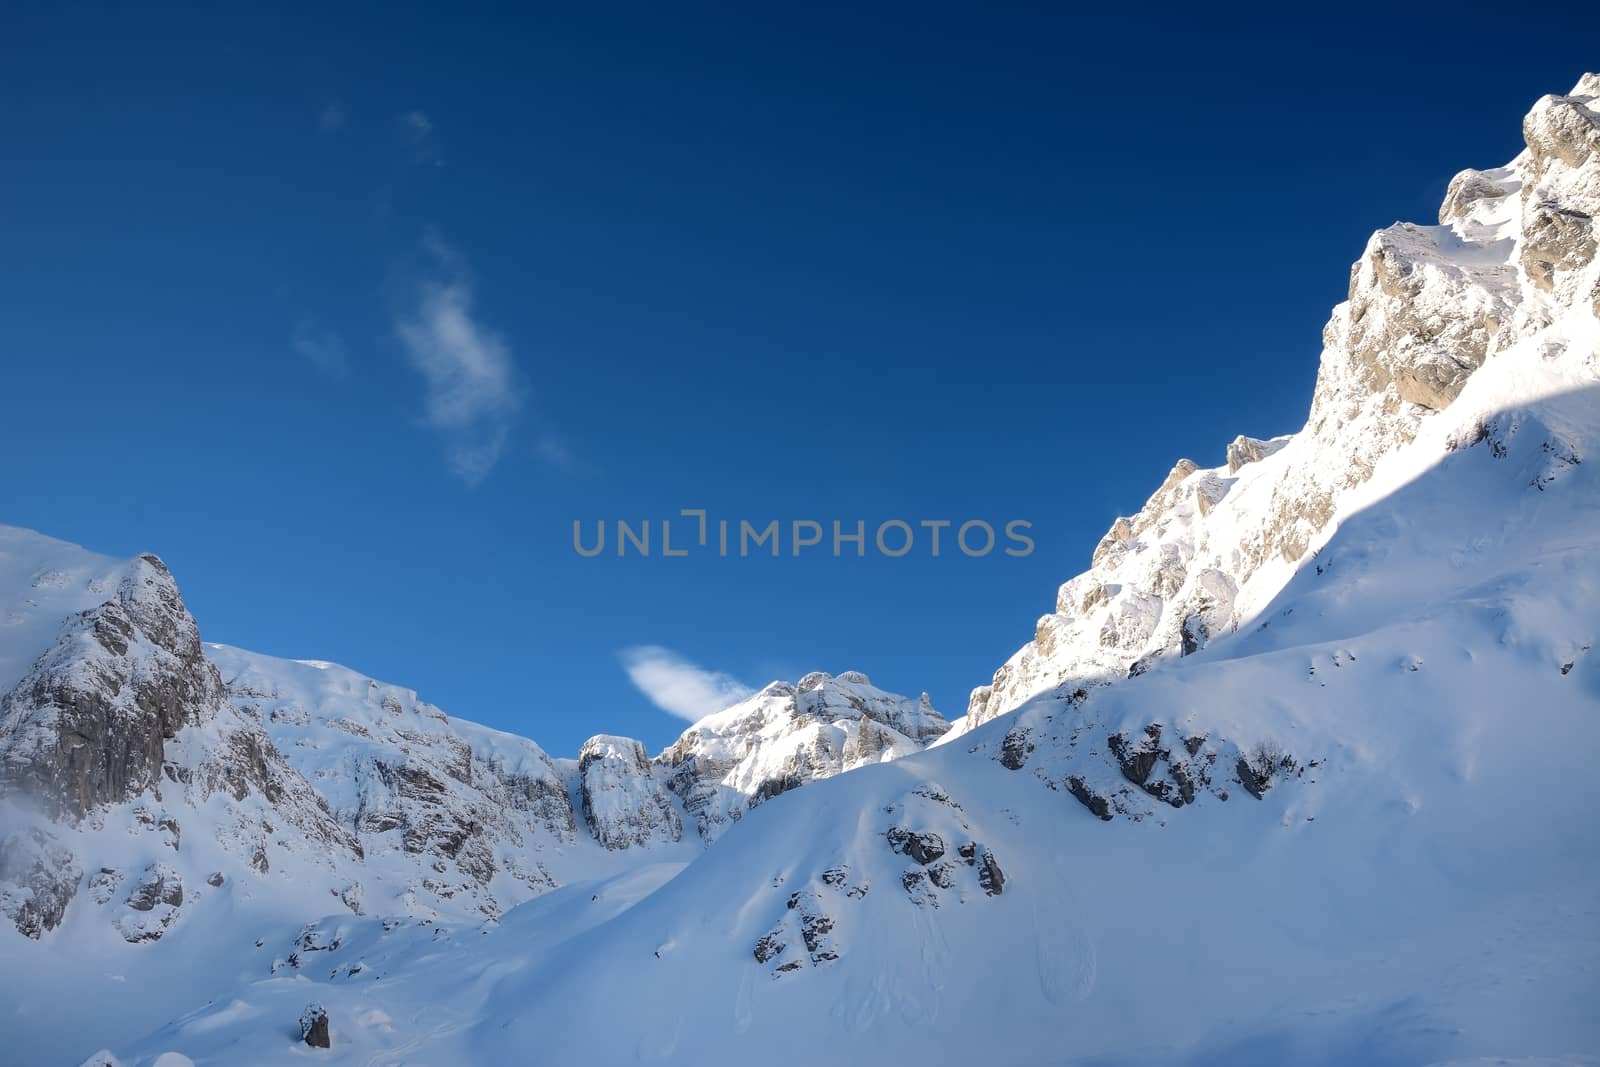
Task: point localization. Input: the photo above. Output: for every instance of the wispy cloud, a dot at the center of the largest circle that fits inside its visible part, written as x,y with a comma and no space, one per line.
678,686
322,348
418,130
472,392
557,451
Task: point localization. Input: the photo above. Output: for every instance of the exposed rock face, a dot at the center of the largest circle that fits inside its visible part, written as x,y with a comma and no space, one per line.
38,879
926,819
152,905
625,803
160,885
806,924
1561,196
1142,773
787,735
1426,307
1468,187
1243,450
476,814
925,848
86,727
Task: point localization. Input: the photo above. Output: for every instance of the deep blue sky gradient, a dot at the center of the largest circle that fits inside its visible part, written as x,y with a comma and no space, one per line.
840,262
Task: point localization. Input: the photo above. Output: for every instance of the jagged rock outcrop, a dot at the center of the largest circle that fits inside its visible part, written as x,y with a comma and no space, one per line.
787,735
38,879
1561,194
314,1027
87,726
1427,306
152,904
1243,450
926,820
625,802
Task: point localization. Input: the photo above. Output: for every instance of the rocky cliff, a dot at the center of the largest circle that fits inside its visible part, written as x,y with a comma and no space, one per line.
1427,307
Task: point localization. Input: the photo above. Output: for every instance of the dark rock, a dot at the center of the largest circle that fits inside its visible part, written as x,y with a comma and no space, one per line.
215,880
1015,749
1255,782
1097,804
813,928
935,793
1137,759
773,787
769,947
160,885
314,1027
923,847
991,879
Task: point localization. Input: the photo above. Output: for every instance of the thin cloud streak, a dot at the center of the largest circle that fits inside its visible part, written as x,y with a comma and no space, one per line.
471,395
418,129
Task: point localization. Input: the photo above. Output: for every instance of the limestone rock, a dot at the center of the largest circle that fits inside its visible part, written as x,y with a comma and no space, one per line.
624,802
786,736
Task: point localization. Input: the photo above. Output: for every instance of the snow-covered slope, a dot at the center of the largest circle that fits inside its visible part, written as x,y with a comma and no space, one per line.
1414,884
1335,808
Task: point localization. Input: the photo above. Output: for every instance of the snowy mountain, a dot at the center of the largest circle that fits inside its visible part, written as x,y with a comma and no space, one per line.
787,735
127,721
1294,773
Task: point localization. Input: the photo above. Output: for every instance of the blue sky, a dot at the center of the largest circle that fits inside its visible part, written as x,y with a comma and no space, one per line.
350,318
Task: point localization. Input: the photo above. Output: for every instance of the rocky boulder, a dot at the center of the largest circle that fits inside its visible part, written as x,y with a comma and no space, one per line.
314,1027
